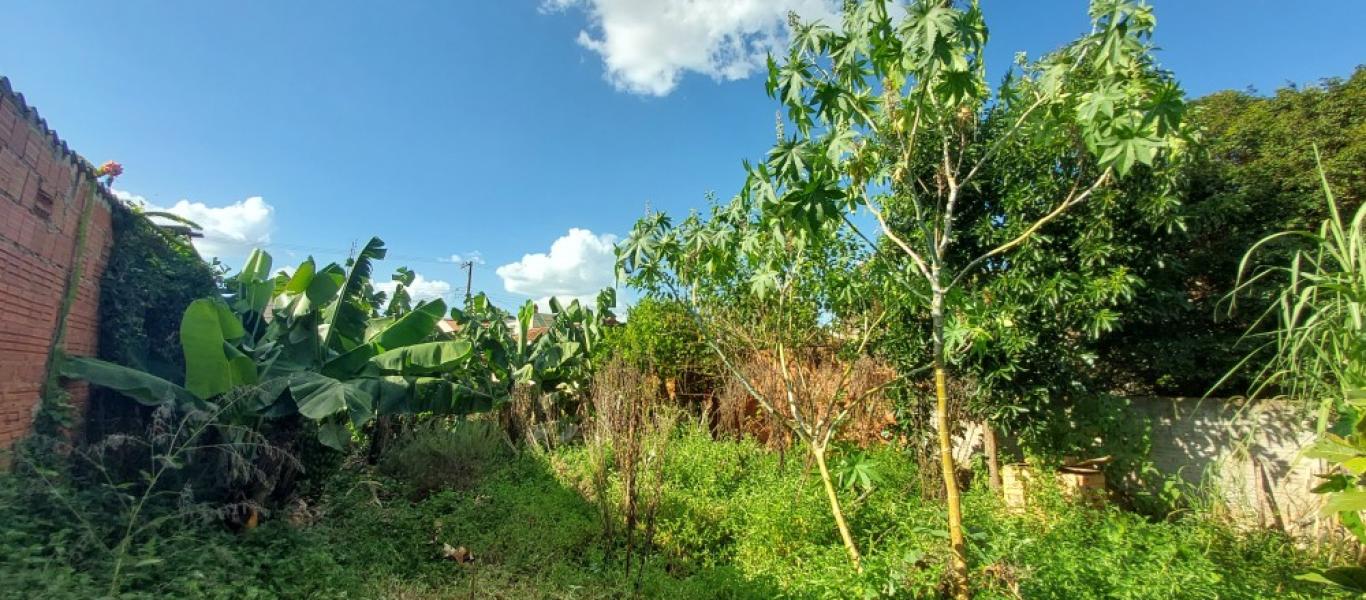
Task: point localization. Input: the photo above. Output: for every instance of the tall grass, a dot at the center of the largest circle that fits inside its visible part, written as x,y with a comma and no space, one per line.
1314,349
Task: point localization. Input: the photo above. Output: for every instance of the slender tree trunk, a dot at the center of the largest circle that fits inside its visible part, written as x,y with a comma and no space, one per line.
941,414
818,452
993,456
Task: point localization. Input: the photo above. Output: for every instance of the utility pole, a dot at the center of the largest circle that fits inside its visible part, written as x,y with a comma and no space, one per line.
469,279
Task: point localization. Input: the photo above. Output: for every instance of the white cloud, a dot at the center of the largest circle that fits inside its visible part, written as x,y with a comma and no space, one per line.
647,45
577,267
421,289
230,230
475,257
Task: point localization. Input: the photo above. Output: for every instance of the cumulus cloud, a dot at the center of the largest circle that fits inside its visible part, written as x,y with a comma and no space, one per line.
475,257
229,230
577,267
421,289
647,45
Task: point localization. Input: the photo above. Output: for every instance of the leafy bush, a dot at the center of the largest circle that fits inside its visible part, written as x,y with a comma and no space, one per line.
660,335
733,523
732,506
439,454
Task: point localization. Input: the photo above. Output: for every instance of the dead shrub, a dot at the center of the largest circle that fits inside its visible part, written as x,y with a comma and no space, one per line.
631,428
816,376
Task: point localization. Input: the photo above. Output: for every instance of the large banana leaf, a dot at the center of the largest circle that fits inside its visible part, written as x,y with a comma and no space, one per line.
320,397
344,320
212,365
423,359
412,395
411,328
292,299
143,387
254,284
387,333
325,284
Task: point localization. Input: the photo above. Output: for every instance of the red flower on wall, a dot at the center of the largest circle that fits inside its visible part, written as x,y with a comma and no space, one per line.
109,169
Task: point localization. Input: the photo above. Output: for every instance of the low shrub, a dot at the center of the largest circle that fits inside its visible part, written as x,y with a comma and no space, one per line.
734,521
444,454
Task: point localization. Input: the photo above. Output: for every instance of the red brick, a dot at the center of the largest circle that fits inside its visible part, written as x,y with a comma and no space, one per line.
35,262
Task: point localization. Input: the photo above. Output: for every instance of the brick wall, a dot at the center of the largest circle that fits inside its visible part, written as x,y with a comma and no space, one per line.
43,191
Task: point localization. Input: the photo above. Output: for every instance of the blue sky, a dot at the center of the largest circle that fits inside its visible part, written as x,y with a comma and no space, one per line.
496,127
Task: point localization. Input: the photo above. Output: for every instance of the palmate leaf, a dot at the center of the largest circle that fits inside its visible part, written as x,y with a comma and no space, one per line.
1348,501
1129,149
926,23
1333,448
145,388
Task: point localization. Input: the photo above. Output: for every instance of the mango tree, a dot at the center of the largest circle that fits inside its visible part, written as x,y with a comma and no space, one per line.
895,126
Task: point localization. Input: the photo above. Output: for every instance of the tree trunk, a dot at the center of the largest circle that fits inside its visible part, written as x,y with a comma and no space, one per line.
993,456
959,571
819,453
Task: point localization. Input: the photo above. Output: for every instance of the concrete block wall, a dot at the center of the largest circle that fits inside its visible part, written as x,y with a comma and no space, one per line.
44,188
1248,455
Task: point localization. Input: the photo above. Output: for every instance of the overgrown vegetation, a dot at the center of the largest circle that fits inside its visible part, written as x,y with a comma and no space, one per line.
793,408
732,522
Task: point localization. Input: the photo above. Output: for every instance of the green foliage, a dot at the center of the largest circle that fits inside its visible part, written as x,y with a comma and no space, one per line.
121,494
894,117
1317,336
1253,175
857,471
660,335
734,523
150,278
323,352
733,505
440,455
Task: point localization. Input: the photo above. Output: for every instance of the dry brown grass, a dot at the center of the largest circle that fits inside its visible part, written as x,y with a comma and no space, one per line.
815,373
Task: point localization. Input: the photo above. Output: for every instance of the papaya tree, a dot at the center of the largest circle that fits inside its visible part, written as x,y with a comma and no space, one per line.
761,293
896,129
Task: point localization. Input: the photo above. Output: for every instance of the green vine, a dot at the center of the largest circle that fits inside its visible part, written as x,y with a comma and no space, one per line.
151,276
54,404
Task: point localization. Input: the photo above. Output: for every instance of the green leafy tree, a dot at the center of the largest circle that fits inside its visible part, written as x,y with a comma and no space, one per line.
754,288
660,336
895,122
1253,176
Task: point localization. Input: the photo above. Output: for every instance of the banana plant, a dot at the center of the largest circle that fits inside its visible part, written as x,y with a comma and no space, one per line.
560,360
311,343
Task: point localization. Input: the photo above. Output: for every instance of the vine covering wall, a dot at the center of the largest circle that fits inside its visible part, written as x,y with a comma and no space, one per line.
151,276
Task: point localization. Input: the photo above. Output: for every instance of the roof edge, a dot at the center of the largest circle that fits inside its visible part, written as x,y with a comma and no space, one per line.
55,142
